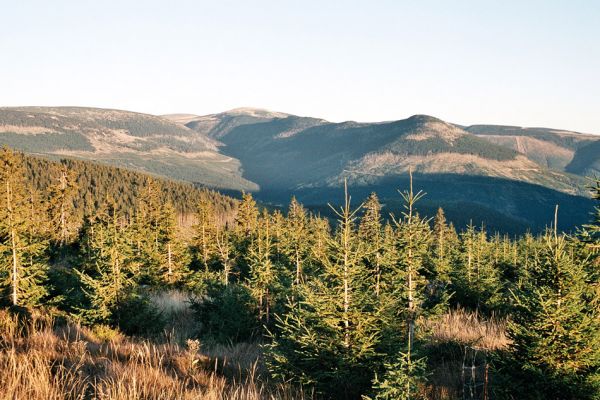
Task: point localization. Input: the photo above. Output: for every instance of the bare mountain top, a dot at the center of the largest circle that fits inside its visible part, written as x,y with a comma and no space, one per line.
217,125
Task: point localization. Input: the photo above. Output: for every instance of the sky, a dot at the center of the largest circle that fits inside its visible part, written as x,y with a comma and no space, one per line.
525,63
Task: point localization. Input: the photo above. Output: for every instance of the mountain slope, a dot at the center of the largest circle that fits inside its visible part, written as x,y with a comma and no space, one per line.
295,152
553,148
476,171
97,182
217,125
586,160
468,174
139,141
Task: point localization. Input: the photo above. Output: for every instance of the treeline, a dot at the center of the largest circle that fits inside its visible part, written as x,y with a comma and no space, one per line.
339,309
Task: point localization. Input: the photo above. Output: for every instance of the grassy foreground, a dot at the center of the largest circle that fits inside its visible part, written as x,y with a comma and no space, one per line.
46,359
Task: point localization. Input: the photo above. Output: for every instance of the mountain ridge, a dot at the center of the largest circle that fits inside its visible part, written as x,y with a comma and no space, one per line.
480,169
123,138
420,137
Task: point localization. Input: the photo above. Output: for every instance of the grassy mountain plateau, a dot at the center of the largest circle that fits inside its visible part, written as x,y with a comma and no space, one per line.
507,177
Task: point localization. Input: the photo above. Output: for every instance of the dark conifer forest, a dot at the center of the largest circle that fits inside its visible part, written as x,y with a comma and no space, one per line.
120,285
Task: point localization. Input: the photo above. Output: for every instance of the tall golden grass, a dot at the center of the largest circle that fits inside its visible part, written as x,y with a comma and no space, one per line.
468,328
41,361
461,342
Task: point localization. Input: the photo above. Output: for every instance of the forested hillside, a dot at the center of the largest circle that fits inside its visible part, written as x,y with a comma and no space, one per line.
475,173
554,148
506,178
282,304
90,185
139,141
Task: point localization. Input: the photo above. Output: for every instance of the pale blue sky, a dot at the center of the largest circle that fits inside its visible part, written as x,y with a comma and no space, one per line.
529,63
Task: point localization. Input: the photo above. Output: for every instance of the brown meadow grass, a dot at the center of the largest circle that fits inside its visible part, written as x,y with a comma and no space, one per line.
40,360
44,360
461,342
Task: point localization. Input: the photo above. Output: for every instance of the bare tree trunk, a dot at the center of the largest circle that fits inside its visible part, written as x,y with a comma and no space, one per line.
377,275
63,218
298,268
346,243
15,277
267,311
13,244
226,271
223,248
170,259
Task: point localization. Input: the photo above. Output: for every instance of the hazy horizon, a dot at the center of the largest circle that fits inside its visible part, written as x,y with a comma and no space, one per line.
531,65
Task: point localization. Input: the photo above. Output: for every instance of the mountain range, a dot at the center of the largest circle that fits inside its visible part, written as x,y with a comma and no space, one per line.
127,139
511,175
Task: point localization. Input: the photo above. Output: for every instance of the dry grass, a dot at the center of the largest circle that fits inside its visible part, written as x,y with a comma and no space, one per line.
41,361
468,328
460,343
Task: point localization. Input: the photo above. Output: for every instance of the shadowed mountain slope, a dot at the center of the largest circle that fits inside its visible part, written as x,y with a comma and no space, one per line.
554,148
471,175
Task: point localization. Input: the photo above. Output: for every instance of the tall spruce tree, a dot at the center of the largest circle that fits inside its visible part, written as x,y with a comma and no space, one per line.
148,233
226,252
370,233
408,284
475,277
263,271
328,335
247,216
108,273
556,326
204,233
23,246
296,241
62,209
246,222
444,243
175,257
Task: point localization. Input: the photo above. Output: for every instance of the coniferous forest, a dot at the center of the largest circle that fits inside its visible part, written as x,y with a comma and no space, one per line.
118,285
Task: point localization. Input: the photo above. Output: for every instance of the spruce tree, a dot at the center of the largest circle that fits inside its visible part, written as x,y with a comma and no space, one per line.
23,247
62,208
594,227
246,223
438,261
296,243
328,335
148,233
226,252
556,326
263,271
444,242
370,233
175,257
109,269
204,232
247,215
408,284
475,277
